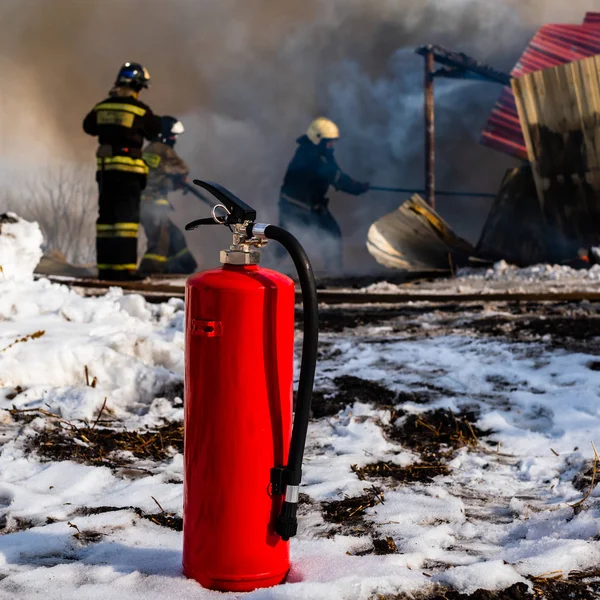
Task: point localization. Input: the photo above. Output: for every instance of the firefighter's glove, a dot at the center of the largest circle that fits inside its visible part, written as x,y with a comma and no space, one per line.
364,187
179,181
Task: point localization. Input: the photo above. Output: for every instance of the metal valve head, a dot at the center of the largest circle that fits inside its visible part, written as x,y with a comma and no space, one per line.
240,218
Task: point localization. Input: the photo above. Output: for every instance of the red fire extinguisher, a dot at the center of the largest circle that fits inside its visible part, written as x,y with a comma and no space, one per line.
243,459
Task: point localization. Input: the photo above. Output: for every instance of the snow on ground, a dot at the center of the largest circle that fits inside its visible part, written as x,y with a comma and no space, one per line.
20,247
554,409
544,272
499,514
503,276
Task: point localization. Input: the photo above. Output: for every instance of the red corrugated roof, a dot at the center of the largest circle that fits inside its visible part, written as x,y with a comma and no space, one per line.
592,17
552,45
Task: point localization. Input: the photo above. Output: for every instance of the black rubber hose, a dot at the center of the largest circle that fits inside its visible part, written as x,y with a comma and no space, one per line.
309,348
286,524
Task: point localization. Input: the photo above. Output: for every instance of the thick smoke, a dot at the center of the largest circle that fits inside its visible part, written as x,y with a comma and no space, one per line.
247,76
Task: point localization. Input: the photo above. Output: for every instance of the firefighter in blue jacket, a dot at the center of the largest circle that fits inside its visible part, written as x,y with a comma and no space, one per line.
303,201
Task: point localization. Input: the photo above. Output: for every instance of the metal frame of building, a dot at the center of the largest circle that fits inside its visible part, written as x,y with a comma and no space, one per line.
455,65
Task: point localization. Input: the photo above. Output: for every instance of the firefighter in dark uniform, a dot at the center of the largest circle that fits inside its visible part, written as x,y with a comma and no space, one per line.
303,201
121,122
167,250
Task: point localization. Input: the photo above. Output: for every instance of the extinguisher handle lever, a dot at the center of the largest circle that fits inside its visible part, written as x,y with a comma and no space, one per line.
239,211
198,222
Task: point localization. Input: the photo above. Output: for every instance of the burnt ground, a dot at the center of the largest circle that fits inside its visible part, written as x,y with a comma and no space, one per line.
161,518
335,319
348,390
128,453
573,326
360,281
349,513
165,519
579,586
100,445
436,435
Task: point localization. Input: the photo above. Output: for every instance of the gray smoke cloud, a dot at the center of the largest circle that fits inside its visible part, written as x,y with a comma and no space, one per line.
247,76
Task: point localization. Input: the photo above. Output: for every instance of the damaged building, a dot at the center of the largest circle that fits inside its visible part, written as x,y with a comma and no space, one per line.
548,117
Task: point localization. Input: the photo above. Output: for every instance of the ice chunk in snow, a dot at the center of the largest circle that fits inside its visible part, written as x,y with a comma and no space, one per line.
20,247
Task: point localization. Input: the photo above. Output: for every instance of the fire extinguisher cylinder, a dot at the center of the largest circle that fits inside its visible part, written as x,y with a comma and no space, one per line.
242,456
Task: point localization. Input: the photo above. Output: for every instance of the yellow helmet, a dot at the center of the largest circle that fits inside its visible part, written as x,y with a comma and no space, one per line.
322,129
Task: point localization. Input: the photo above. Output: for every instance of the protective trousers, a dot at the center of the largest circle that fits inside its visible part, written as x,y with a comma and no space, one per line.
317,231
167,251
118,223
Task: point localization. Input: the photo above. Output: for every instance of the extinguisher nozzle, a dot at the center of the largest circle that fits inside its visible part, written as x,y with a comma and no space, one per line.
287,522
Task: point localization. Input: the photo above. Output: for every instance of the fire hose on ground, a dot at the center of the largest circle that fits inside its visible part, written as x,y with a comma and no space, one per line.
377,188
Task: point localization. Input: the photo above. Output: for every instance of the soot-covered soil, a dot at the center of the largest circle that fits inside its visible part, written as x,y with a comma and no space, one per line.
348,390
574,326
434,424
578,586
436,436
433,435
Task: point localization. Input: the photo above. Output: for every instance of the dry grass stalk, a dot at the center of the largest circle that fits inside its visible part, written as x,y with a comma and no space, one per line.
475,438
14,411
29,336
593,482
430,427
78,534
452,272
549,575
162,510
94,382
100,411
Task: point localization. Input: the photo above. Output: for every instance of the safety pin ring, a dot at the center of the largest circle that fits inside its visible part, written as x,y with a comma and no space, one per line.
221,220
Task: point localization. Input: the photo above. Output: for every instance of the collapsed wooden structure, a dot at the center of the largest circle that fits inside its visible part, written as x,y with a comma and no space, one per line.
548,114
559,109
